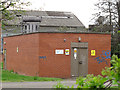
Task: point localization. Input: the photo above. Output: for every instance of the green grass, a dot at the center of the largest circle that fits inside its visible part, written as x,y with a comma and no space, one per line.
8,76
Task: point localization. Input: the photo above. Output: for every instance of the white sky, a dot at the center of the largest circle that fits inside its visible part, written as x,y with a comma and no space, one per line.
83,9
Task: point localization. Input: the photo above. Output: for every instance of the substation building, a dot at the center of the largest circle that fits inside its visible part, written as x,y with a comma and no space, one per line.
54,44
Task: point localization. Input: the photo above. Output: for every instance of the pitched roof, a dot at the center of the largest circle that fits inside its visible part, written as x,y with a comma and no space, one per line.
50,18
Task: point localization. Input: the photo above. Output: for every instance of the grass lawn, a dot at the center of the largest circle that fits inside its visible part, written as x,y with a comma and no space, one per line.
8,76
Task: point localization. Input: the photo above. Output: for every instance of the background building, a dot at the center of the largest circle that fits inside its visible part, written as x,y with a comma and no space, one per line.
36,21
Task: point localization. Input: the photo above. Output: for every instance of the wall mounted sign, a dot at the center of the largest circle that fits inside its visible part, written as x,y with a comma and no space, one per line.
75,53
66,51
92,52
59,51
17,49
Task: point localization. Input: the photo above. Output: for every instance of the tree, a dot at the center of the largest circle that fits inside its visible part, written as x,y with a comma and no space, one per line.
9,8
110,9
14,5
107,19
118,10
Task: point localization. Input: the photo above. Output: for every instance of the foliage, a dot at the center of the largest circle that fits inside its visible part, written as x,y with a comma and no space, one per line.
13,4
63,28
60,85
11,71
91,81
9,8
111,76
35,77
107,19
115,44
8,76
108,12
113,73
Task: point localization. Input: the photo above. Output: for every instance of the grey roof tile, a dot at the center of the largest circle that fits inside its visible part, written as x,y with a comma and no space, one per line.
51,18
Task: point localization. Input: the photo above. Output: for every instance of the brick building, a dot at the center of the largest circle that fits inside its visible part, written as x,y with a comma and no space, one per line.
53,44
57,54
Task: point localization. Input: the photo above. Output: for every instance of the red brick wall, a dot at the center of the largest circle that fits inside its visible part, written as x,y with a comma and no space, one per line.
26,60
60,65
31,46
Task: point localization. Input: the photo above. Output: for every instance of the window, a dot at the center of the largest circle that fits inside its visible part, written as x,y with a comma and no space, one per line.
25,27
32,27
36,28
28,28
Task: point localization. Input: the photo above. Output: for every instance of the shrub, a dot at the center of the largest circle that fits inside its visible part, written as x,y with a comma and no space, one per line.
60,85
113,73
91,81
35,77
11,71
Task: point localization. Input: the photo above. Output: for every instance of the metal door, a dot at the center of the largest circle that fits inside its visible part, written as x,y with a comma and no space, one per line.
79,62
74,63
83,62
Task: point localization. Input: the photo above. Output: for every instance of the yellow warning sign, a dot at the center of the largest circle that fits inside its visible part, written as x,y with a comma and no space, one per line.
92,52
66,51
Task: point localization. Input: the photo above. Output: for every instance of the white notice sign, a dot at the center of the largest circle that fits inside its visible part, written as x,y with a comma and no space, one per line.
75,53
17,49
59,51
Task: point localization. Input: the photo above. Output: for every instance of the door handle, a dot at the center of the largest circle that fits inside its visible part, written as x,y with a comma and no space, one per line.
80,62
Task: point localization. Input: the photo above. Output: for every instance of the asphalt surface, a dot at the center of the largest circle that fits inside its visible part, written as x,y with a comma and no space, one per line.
45,84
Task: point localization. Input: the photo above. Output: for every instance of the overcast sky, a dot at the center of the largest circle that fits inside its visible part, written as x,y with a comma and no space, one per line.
83,9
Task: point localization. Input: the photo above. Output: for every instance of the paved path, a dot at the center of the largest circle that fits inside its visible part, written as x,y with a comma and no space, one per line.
45,84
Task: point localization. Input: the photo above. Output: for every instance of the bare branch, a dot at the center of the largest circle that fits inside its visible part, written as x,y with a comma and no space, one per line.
7,6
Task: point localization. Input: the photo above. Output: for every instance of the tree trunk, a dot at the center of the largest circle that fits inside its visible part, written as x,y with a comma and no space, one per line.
118,10
110,16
